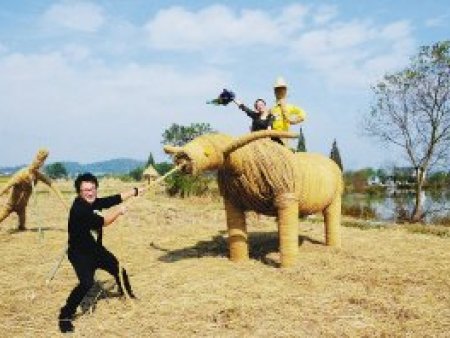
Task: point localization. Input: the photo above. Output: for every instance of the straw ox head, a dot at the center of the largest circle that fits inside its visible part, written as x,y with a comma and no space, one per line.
209,151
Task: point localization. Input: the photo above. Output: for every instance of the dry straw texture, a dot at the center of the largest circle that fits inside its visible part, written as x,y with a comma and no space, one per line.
258,174
150,173
383,282
20,187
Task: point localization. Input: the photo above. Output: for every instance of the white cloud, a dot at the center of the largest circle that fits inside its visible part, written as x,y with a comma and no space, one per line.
78,16
291,19
81,97
51,101
76,52
351,53
217,27
324,14
396,31
440,21
355,53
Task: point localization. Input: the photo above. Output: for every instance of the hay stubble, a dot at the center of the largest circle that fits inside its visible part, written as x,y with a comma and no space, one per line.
382,282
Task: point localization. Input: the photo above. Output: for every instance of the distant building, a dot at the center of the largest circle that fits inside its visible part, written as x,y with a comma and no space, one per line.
374,180
398,177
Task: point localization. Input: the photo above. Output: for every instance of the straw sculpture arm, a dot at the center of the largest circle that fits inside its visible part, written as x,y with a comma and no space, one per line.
296,115
9,184
46,180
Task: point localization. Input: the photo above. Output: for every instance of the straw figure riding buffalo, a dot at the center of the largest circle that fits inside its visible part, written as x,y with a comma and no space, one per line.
255,173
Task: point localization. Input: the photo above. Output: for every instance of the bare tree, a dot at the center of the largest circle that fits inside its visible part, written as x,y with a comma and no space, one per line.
412,111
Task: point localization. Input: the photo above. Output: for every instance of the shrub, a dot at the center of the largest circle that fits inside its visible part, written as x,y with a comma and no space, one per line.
359,211
441,220
136,173
186,185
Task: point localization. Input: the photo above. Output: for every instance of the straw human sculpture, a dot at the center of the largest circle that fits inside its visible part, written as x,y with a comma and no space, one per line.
258,174
21,186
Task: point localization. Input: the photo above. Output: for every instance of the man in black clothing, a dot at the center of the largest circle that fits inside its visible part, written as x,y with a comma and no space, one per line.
85,253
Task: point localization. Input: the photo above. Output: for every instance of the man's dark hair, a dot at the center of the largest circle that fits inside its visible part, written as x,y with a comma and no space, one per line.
86,177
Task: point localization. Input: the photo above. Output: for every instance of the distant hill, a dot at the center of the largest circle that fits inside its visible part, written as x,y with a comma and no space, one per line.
114,166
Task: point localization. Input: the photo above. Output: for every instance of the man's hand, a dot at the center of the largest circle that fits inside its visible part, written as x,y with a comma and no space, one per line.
141,190
112,215
123,209
295,120
132,192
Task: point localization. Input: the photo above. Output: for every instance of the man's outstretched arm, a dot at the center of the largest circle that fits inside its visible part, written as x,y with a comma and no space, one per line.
112,215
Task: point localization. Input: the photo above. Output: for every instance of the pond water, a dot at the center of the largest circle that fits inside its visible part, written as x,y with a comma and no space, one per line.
387,207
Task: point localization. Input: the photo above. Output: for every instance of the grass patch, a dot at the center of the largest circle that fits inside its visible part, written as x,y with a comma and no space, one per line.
360,211
380,283
4,179
441,220
363,225
436,230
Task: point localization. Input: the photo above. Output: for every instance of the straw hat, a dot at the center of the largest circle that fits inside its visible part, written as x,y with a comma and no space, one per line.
280,82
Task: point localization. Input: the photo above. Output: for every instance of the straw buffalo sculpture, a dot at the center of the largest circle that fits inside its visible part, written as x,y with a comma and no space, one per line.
256,173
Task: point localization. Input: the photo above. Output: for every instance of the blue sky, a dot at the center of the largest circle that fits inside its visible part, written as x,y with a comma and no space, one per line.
103,79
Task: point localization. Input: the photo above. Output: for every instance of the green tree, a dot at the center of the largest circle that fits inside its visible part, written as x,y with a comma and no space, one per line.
56,170
439,180
163,167
357,180
185,186
301,145
150,161
335,155
179,135
136,173
412,111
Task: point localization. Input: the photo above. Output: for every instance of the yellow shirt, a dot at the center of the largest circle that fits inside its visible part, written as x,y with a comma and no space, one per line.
292,112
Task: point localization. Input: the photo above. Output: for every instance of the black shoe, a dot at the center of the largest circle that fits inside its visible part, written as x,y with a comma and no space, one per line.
65,325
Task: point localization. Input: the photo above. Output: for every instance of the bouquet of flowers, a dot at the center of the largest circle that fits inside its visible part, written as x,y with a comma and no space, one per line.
223,99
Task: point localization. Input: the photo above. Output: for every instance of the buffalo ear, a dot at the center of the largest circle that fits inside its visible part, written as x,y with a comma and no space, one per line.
171,149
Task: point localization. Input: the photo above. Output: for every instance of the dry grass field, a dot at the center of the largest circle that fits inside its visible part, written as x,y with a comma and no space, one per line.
383,282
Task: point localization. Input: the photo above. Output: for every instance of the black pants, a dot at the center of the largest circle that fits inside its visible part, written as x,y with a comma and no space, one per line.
85,266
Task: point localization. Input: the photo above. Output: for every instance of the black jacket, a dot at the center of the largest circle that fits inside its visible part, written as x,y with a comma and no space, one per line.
258,123
83,218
